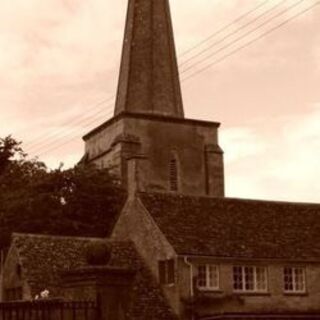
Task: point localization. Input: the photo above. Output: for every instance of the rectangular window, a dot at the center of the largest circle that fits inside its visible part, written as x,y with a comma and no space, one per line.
294,279
173,175
167,271
250,279
208,277
13,294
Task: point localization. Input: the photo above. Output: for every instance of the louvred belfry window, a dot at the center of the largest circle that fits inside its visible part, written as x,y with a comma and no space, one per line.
173,174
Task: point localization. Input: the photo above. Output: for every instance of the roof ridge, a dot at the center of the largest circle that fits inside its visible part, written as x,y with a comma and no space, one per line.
226,199
35,235
16,235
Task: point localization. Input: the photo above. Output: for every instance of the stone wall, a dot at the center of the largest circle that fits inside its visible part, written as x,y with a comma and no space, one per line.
194,143
13,276
275,300
136,224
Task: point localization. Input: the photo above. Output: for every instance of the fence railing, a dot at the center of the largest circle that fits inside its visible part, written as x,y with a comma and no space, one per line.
49,310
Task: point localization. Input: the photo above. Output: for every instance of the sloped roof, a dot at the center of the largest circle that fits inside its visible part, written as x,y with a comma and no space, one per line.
44,258
225,227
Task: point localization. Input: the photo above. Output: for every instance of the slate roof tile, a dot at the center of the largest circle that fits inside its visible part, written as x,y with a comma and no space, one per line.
44,258
237,228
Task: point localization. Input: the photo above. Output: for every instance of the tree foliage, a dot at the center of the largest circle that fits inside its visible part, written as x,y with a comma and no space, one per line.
81,201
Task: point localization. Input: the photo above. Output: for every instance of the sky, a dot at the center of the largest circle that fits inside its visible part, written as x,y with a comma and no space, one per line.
59,65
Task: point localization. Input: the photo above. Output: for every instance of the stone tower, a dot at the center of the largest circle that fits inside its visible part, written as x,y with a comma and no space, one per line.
171,153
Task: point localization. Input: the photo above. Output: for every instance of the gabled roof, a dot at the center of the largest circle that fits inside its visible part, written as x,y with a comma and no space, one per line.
44,258
235,228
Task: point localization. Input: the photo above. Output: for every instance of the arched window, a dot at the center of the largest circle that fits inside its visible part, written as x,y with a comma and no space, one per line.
173,174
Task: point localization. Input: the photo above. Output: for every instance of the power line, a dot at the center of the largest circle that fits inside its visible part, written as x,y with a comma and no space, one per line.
42,139
252,41
234,32
225,27
56,138
279,14
223,58
57,146
68,122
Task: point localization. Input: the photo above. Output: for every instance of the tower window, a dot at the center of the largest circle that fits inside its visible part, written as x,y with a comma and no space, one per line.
173,174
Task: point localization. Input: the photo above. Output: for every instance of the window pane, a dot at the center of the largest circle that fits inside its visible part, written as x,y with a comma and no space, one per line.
213,276
249,278
171,271
237,278
299,279
162,272
288,279
202,276
261,278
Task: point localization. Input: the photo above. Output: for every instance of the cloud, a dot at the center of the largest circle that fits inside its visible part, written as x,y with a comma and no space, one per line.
302,141
317,56
60,58
241,143
286,167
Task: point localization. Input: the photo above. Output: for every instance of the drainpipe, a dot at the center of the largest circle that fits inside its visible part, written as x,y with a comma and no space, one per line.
1,273
190,265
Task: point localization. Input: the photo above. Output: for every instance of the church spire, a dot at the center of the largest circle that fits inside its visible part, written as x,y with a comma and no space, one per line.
149,79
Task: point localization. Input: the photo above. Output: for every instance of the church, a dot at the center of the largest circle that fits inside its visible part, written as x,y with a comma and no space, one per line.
179,249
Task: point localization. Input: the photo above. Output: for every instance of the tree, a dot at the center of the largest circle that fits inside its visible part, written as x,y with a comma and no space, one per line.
8,149
82,201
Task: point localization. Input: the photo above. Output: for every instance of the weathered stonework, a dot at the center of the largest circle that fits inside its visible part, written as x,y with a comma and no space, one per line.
165,226
13,276
149,108
110,287
149,79
226,300
195,144
135,224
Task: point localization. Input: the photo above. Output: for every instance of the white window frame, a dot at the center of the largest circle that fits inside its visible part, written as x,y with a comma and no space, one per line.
295,283
255,279
208,286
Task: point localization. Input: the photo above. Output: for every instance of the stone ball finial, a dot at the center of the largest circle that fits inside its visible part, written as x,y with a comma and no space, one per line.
98,254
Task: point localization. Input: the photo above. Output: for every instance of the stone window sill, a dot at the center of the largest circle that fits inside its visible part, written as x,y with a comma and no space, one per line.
208,290
168,285
295,294
252,293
